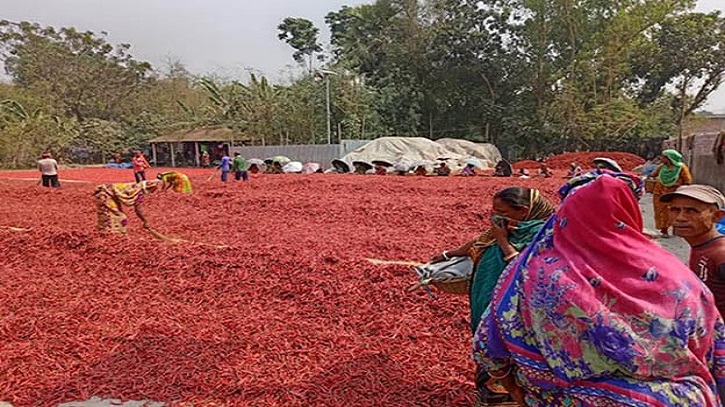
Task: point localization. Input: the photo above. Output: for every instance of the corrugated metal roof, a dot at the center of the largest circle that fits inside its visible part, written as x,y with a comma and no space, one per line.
202,134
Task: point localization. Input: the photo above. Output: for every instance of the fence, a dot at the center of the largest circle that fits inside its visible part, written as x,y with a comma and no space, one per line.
317,153
697,153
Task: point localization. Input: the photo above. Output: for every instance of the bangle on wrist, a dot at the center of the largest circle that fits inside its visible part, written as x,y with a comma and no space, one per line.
446,256
510,256
508,372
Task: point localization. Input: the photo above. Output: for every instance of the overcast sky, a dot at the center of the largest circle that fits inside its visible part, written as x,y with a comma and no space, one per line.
226,37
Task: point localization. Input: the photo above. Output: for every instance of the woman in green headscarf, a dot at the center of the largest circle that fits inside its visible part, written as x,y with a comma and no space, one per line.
668,176
518,214
111,198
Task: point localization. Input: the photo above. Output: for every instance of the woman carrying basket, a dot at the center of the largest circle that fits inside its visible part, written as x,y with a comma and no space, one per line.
518,214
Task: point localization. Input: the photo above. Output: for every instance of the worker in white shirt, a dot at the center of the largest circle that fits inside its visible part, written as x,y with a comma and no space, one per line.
48,168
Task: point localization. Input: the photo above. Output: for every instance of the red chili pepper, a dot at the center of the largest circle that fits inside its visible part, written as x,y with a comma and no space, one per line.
290,314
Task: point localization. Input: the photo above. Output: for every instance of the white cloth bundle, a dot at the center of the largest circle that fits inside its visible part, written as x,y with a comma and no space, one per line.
453,270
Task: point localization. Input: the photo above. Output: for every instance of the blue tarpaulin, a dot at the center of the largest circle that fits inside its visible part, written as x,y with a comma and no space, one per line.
122,165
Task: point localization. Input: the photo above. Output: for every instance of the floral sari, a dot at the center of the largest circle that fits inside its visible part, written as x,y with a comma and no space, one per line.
111,197
595,314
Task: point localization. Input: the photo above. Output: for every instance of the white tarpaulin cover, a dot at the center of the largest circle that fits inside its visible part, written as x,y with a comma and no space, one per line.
409,150
292,167
487,153
310,168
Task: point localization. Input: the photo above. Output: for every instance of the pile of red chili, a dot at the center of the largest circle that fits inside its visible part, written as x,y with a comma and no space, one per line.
627,161
289,314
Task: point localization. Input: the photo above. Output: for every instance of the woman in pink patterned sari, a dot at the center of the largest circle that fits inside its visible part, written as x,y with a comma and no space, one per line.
595,314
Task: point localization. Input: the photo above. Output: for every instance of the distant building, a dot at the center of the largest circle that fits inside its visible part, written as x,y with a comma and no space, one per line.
183,148
698,148
703,124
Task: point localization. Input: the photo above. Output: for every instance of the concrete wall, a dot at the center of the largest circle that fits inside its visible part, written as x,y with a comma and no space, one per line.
317,153
697,152
704,124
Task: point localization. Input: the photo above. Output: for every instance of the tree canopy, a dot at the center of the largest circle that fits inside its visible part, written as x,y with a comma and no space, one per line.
532,76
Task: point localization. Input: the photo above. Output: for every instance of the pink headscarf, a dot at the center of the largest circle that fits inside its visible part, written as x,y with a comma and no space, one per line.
593,302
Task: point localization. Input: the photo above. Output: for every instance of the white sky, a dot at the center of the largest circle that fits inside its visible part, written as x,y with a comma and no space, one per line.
227,37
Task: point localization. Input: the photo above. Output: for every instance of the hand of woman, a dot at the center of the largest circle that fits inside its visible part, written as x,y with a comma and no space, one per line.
514,390
437,258
500,233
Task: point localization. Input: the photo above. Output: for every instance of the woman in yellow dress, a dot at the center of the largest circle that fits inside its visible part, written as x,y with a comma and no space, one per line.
112,197
668,176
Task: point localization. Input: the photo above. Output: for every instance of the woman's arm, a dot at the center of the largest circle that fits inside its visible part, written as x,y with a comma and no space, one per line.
460,251
502,238
141,215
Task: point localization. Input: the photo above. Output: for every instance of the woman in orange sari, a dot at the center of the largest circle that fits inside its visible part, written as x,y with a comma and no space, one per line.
668,176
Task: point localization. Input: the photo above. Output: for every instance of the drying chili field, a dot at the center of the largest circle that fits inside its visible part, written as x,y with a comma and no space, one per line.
270,302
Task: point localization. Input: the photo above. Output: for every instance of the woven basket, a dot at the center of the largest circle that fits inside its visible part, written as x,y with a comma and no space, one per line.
453,286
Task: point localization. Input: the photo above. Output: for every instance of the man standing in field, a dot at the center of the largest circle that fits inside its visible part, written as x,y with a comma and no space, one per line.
139,166
239,165
694,211
225,166
48,168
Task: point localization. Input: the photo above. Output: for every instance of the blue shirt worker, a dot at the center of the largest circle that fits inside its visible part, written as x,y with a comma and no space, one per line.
225,166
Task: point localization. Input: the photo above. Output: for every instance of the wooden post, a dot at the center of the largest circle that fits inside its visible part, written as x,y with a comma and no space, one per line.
680,130
197,154
171,151
153,154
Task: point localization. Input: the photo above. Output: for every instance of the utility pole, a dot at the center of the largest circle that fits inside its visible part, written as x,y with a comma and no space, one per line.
327,92
326,75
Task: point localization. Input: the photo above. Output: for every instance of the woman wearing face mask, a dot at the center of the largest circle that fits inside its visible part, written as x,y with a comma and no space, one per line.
594,314
518,214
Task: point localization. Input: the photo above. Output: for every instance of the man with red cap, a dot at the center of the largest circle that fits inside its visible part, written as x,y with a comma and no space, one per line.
694,212
48,168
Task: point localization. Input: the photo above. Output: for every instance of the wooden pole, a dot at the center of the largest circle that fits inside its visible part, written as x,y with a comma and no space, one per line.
173,158
197,153
153,154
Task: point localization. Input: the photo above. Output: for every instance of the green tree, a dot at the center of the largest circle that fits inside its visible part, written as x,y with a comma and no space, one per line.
301,34
81,73
688,52
576,57
261,109
24,134
386,44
